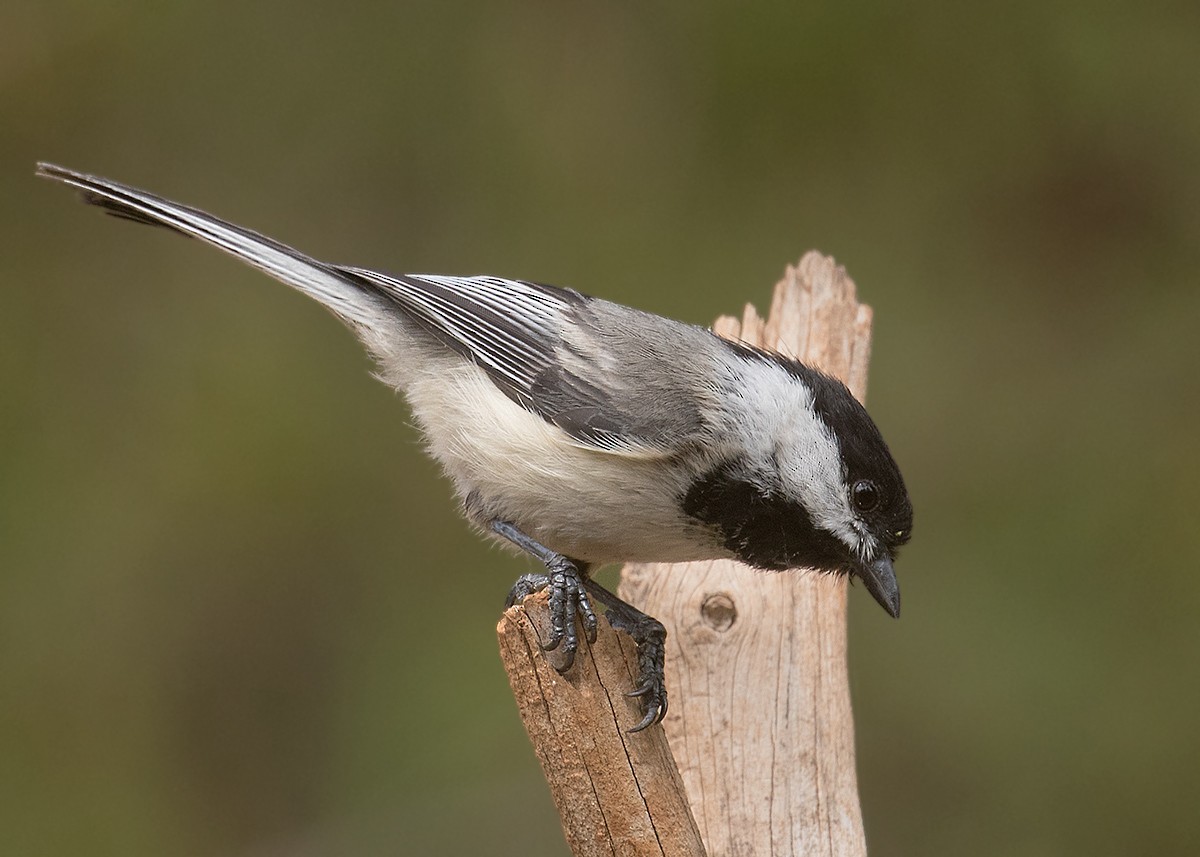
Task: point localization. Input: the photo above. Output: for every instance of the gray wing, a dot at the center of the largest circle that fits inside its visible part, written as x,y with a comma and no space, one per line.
613,378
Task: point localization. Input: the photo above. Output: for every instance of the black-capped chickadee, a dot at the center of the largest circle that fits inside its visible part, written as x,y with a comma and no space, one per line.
585,432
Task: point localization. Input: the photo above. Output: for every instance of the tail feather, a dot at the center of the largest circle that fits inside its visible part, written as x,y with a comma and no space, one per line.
318,280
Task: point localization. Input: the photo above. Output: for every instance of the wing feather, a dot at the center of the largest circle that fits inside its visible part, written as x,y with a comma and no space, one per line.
510,328
520,334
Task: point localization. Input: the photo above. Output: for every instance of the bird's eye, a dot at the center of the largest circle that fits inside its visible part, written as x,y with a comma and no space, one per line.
865,495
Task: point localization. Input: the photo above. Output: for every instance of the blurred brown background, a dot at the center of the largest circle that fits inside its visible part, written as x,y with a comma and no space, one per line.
238,612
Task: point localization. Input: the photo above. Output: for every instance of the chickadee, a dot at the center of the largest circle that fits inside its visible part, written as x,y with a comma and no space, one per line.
585,432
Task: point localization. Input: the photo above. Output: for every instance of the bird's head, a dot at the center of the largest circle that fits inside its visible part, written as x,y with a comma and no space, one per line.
853,496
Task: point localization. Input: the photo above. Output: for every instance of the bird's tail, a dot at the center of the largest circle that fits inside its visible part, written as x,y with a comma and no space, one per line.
318,280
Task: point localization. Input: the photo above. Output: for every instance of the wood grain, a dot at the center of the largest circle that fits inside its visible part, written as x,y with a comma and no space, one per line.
617,794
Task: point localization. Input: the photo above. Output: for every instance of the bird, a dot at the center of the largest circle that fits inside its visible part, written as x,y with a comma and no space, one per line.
584,432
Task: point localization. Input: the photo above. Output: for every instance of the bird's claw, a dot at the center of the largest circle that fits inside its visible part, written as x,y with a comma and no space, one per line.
568,598
651,638
526,585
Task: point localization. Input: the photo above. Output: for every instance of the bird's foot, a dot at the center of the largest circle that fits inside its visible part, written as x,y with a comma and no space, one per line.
569,588
568,599
651,637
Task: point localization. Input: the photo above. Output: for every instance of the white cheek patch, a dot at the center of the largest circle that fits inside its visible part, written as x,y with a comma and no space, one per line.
780,424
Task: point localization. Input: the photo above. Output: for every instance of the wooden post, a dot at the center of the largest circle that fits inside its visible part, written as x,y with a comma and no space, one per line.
760,724
618,794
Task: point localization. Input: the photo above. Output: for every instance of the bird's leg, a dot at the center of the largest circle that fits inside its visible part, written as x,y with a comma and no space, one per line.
569,586
651,637
565,578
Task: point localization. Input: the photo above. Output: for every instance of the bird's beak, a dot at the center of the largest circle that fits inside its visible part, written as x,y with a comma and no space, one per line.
879,578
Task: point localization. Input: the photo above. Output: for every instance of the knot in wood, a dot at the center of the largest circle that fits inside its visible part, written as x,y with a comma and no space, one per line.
718,611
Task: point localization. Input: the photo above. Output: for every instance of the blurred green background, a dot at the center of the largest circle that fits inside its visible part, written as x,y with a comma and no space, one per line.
239,614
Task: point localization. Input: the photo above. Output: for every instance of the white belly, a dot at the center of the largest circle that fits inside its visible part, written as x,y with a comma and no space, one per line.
587,504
